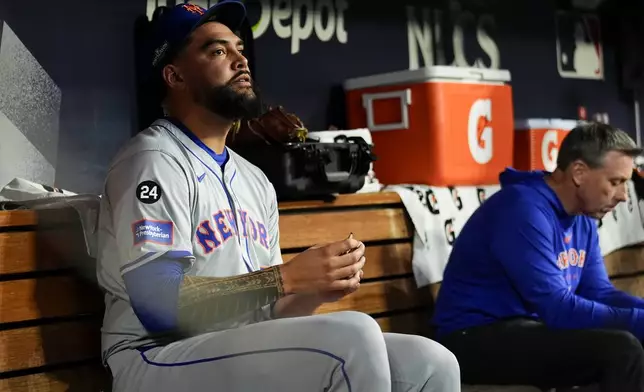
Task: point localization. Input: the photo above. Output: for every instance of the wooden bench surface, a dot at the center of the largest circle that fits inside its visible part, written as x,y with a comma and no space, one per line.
50,319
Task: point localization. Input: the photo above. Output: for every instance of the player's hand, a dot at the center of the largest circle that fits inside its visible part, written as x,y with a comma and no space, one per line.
325,268
333,296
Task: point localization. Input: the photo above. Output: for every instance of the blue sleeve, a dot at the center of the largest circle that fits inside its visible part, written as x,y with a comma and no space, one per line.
153,289
523,244
595,284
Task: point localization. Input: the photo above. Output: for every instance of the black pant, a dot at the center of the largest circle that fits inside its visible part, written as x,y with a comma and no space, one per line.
526,352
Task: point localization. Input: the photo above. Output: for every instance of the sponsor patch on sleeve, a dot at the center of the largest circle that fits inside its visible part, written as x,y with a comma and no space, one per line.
154,231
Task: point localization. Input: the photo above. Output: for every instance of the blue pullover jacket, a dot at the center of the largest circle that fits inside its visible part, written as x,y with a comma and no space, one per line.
521,255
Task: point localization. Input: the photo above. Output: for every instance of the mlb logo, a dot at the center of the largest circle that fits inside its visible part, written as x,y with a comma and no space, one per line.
579,48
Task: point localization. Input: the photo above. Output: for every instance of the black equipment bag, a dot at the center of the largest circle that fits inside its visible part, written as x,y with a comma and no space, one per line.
311,170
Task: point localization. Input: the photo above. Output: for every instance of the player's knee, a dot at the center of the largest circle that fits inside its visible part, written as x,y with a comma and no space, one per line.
357,327
444,362
438,363
357,320
361,343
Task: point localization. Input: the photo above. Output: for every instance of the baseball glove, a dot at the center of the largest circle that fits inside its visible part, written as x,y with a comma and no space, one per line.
273,127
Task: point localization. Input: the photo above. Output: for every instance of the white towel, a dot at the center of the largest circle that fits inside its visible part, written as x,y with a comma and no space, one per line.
438,214
24,194
20,189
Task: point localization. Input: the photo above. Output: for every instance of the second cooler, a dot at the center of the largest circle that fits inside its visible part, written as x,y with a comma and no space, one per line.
536,142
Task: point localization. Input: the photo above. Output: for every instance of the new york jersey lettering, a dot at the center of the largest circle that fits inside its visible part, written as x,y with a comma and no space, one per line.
214,232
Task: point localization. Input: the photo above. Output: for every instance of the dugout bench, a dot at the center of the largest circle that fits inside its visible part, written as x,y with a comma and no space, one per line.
50,318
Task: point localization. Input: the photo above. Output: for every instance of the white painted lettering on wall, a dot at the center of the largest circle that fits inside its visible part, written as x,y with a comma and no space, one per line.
422,32
298,20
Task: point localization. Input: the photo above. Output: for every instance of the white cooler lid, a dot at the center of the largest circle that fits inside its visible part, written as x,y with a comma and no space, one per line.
432,73
542,123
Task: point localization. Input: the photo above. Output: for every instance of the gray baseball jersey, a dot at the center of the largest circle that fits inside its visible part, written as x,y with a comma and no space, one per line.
166,196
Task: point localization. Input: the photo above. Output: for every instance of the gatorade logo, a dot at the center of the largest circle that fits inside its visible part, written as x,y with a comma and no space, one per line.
456,198
550,150
479,131
481,194
450,235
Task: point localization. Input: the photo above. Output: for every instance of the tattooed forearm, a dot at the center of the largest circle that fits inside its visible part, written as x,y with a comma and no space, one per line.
206,301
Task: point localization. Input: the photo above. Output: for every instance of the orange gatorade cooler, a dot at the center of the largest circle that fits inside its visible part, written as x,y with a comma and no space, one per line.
536,142
439,125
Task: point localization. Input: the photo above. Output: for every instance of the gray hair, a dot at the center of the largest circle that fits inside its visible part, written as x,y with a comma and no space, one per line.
589,142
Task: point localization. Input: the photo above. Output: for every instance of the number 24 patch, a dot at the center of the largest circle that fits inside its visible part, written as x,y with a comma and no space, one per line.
149,192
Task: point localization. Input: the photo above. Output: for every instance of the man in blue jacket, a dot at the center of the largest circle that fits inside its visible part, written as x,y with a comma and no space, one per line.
525,297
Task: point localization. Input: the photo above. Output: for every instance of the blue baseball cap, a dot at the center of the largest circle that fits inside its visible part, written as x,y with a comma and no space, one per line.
177,23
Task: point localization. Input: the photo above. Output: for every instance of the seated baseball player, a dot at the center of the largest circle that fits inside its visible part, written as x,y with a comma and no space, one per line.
525,297
197,297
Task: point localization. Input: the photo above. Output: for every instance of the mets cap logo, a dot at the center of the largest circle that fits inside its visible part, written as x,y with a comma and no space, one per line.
195,9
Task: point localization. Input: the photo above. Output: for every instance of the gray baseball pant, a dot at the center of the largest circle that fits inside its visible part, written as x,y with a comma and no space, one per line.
336,352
